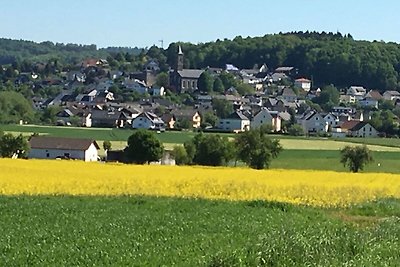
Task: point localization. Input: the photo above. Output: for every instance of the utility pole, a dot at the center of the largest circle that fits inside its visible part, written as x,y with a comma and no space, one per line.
162,43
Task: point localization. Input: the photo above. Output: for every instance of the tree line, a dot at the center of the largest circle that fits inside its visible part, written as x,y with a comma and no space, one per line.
327,58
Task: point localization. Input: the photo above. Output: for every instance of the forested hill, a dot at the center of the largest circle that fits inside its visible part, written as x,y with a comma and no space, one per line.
326,57
19,50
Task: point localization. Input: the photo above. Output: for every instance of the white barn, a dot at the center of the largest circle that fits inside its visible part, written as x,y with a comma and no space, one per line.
44,147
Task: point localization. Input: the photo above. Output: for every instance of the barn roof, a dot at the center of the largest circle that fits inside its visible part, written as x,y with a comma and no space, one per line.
46,142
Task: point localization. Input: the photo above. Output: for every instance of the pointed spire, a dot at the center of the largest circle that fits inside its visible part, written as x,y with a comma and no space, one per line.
180,50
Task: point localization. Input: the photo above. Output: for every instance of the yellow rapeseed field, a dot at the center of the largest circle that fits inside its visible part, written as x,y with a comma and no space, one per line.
318,188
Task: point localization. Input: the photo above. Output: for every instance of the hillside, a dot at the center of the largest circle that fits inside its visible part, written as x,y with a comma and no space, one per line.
20,50
327,58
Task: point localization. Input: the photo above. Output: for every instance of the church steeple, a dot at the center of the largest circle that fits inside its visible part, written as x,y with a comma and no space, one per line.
179,63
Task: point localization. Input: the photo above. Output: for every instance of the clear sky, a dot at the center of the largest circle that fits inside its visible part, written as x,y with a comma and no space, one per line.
143,23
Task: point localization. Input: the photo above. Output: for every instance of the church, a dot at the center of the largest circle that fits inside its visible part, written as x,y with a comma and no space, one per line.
184,80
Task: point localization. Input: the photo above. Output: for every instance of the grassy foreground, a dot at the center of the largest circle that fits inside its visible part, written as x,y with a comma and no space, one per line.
149,231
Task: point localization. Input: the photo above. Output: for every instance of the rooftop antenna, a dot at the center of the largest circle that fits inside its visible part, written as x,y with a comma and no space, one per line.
162,43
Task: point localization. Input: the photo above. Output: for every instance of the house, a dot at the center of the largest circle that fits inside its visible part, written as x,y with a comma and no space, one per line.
81,115
374,94
332,120
347,99
343,110
45,147
357,91
106,118
286,70
313,122
158,91
169,120
303,83
369,102
192,115
358,129
135,85
235,122
288,95
266,117
148,120
391,95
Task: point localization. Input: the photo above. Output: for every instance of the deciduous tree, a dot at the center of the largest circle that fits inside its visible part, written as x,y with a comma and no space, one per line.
256,149
143,147
355,157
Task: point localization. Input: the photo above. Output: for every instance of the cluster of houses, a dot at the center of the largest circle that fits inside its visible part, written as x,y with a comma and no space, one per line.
94,104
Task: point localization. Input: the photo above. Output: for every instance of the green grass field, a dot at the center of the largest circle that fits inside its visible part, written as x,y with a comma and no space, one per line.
145,231
329,160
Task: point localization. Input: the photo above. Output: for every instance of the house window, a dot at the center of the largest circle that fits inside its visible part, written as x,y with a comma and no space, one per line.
228,122
47,155
193,85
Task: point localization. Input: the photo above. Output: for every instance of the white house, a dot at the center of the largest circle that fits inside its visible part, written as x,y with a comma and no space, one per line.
267,117
357,91
313,122
135,85
358,129
44,147
332,120
303,83
369,102
148,120
391,95
236,122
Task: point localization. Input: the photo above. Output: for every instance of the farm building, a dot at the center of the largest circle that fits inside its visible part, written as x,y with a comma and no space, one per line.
44,147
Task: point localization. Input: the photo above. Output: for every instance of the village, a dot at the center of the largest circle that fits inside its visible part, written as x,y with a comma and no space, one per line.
279,99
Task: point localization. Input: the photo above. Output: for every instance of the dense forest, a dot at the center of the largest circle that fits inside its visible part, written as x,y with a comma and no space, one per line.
326,58
12,51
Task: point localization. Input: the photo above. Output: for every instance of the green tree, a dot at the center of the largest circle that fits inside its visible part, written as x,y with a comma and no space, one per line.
49,114
15,107
228,80
256,149
245,89
295,130
180,155
143,147
355,157
10,145
210,150
106,145
222,107
218,86
205,82
328,98
162,79
209,119
184,123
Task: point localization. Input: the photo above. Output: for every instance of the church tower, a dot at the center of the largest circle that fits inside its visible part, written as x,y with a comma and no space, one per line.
179,63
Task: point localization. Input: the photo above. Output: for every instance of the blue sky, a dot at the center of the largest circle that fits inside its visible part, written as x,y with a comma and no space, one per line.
143,23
